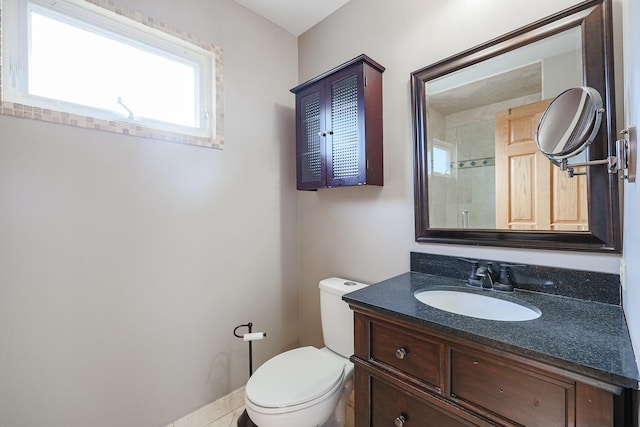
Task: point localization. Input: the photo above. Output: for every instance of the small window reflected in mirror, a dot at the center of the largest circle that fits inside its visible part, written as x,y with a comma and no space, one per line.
442,157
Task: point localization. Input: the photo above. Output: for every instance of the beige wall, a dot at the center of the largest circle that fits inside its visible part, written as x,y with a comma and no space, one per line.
367,233
125,263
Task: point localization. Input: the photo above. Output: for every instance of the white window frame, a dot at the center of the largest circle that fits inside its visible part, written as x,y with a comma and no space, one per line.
450,150
106,18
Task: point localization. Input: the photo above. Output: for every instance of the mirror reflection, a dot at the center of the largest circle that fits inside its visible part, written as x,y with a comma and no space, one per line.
570,123
479,176
484,168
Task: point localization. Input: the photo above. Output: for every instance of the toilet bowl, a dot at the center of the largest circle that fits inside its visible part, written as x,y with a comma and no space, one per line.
308,386
301,388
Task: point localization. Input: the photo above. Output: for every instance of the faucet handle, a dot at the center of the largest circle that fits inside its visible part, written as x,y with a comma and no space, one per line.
474,267
505,277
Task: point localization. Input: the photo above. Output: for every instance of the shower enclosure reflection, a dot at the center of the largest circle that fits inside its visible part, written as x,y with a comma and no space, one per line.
481,122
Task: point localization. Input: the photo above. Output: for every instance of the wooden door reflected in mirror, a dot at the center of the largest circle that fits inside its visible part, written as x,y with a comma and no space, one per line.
531,192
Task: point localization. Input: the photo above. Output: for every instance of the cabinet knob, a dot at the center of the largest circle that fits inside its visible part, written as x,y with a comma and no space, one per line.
329,132
401,353
322,134
399,421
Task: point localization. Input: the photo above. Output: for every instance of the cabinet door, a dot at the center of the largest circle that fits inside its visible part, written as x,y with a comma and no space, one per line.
345,128
310,128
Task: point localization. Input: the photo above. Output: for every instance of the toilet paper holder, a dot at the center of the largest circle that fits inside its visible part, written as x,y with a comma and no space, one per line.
250,336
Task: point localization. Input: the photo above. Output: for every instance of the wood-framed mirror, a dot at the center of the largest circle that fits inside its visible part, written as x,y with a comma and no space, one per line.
479,178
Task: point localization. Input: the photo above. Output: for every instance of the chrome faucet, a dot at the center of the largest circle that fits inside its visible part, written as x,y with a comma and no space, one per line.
504,282
495,276
484,273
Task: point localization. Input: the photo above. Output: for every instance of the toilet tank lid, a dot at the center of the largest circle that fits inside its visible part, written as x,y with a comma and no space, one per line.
339,286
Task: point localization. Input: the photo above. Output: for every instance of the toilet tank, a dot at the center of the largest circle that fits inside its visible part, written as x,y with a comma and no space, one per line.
337,317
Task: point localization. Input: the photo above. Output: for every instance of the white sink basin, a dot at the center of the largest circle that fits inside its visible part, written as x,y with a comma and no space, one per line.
476,305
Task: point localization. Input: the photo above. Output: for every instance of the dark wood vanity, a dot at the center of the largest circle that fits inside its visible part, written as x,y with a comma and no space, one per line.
408,375
416,365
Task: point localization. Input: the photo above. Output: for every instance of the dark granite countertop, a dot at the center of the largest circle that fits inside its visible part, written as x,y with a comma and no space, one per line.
586,337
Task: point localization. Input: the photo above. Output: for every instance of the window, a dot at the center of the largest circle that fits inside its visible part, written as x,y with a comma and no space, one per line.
103,70
442,157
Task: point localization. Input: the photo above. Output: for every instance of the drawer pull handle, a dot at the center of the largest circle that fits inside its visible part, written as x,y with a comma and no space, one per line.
401,353
400,421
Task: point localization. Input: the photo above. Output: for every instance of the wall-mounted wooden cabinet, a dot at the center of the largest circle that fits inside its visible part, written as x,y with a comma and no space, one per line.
339,127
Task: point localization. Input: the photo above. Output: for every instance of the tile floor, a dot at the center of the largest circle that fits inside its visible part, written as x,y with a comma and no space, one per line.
228,420
225,411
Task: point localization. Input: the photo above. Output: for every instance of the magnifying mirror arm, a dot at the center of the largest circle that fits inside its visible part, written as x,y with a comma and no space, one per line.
624,160
610,161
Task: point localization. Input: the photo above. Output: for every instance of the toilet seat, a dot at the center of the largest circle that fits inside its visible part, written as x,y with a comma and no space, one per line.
295,380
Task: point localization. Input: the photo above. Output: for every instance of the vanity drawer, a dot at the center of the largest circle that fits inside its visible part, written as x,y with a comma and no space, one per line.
391,406
518,394
417,357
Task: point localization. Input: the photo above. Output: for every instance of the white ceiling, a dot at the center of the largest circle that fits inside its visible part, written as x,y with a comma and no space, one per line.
295,16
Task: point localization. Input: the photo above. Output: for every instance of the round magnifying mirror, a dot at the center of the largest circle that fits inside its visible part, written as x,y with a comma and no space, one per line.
570,123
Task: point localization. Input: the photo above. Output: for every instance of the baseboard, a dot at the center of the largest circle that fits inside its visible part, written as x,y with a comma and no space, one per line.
213,411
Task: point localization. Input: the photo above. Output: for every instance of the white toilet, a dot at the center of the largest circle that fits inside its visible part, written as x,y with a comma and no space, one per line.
307,386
